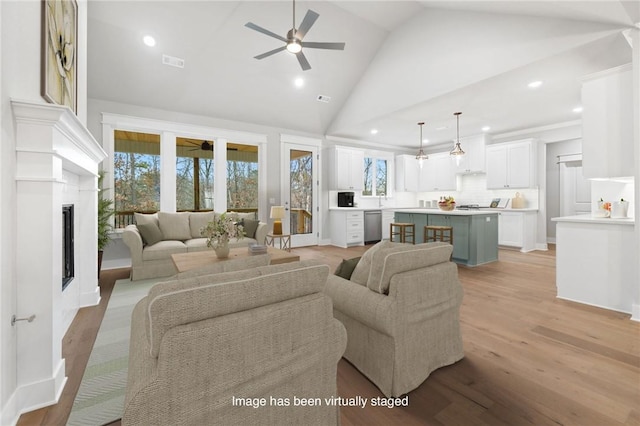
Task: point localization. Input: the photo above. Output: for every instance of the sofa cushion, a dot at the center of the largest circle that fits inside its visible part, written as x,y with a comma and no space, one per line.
250,227
174,226
346,267
150,233
141,218
179,302
163,250
361,272
197,221
398,258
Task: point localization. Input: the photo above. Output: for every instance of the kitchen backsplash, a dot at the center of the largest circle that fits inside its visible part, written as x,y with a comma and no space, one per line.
472,189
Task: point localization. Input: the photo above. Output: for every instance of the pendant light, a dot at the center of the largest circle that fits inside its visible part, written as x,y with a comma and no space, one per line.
421,156
457,150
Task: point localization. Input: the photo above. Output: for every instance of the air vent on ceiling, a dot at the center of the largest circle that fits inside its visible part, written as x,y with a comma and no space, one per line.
324,98
173,61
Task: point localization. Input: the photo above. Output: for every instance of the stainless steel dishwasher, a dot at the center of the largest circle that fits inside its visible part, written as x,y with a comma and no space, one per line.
372,226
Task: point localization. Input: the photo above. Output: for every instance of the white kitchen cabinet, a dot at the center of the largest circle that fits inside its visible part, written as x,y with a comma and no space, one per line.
511,165
347,227
474,159
346,168
387,220
607,124
517,229
407,173
438,173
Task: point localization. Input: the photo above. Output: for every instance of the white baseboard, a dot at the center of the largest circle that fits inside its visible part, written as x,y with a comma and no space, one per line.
595,305
34,396
9,414
325,242
90,299
551,240
635,312
542,246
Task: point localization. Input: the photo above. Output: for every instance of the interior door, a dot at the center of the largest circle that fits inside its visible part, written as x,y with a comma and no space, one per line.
575,189
300,194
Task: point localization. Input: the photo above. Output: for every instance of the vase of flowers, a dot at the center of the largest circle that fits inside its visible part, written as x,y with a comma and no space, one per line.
219,231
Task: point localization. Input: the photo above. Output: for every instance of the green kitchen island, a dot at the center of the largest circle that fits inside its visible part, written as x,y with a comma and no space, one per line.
475,232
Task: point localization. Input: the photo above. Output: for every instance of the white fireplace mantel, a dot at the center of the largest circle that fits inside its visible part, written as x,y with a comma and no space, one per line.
57,160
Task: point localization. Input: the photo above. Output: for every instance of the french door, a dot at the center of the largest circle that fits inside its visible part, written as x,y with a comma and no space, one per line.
300,193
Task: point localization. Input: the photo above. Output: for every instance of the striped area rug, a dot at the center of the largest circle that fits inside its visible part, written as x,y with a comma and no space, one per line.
100,399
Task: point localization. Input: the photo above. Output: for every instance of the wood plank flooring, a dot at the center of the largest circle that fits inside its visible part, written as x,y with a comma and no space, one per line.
530,359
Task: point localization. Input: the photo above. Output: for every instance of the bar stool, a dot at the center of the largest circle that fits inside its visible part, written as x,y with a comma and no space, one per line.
404,231
438,233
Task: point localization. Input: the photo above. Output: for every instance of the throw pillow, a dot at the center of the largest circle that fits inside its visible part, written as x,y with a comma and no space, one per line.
345,269
361,272
141,218
150,233
250,227
197,221
174,226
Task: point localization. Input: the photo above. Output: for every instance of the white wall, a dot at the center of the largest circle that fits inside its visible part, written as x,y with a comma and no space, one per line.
20,49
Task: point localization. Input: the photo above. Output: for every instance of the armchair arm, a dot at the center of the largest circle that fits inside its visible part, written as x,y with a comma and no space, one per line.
375,310
261,232
132,238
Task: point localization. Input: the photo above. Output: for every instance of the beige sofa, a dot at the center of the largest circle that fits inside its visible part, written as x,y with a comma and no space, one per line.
401,311
202,346
155,237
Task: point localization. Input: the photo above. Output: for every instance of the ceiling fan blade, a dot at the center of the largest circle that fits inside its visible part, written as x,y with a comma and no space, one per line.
271,52
303,61
320,45
307,22
264,31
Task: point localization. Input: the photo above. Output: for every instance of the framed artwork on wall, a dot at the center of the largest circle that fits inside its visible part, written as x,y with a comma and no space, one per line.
59,50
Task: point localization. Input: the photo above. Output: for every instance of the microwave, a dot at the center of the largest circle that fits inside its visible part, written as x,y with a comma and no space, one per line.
345,199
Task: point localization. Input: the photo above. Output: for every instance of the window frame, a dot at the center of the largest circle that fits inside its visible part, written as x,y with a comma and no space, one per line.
390,159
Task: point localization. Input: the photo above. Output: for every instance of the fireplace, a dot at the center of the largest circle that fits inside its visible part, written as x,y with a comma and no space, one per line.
67,245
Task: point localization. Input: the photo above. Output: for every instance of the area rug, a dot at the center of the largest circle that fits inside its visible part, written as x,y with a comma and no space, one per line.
100,398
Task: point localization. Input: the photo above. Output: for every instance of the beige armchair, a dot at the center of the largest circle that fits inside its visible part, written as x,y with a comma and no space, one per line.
401,311
215,349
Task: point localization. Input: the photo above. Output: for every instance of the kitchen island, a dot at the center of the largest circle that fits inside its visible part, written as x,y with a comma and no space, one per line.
475,232
596,262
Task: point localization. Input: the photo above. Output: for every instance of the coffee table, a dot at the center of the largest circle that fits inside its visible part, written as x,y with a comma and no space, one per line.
197,259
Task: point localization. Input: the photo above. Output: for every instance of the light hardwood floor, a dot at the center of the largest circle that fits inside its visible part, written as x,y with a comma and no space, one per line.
530,359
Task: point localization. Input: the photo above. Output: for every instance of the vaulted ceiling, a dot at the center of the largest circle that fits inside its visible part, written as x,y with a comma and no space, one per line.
404,62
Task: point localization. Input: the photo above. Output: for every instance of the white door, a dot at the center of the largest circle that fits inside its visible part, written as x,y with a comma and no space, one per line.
575,190
300,194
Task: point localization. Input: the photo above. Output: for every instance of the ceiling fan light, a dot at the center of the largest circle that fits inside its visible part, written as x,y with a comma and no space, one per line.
294,46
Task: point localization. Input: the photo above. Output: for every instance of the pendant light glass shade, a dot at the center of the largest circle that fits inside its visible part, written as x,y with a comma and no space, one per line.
457,149
421,156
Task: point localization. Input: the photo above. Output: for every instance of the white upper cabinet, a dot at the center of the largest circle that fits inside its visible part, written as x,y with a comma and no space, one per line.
438,173
607,124
474,159
347,168
407,173
511,165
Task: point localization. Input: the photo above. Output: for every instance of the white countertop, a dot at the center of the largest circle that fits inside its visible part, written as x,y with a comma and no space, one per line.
451,213
430,209
587,218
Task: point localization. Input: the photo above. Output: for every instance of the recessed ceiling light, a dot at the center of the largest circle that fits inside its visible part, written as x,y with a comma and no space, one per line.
577,109
374,131
149,41
425,140
535,84
486,128
298,82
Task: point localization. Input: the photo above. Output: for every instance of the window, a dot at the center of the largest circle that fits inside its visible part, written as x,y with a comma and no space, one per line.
242,177
136,173
194,174
375,176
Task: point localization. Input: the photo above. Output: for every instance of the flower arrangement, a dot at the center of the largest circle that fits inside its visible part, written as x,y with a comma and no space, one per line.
220,230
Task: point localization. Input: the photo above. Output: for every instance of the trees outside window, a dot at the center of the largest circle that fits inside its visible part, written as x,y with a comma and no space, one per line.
375,176
242,177
194,174
136,172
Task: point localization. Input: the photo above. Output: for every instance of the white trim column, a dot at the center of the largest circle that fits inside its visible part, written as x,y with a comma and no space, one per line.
220,175
167,172
635,40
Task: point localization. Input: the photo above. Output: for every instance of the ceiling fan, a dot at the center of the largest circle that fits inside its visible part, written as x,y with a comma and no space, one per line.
205,146
294,40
